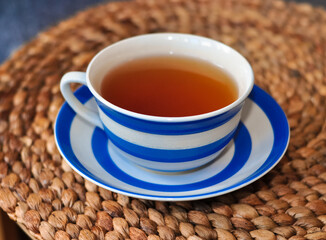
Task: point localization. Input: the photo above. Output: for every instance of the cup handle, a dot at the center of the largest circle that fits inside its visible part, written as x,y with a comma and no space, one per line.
86,113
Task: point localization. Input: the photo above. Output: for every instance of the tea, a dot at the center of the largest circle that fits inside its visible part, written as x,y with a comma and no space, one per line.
168,86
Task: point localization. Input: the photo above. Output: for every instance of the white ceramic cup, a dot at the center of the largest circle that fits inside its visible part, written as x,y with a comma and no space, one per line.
163,143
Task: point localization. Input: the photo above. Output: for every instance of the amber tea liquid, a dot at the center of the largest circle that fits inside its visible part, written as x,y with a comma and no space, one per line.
169,86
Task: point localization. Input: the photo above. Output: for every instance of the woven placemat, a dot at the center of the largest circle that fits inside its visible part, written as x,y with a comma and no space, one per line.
286,45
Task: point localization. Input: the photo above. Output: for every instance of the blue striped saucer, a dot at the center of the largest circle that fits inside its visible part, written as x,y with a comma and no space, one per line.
260,142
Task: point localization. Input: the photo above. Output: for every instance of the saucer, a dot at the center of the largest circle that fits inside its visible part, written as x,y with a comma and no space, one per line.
260,142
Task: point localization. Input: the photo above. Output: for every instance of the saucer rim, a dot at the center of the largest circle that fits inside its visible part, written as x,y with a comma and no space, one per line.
242,183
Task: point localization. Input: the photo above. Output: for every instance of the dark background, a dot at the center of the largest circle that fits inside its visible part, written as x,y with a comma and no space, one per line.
21,20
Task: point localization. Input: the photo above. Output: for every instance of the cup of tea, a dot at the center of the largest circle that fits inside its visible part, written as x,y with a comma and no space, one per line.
167,101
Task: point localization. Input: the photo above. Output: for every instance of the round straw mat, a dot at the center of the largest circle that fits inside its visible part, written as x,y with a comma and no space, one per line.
286,45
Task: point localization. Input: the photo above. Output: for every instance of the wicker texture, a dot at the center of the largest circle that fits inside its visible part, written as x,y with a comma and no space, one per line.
286,45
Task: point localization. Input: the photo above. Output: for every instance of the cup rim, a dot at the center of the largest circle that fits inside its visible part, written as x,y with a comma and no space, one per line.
147,117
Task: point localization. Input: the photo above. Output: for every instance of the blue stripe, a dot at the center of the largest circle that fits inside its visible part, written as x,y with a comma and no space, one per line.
281,131
280,126
172,156
62,134
242,142
167,128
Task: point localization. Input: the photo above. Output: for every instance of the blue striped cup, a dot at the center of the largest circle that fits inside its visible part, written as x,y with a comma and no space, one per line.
163,143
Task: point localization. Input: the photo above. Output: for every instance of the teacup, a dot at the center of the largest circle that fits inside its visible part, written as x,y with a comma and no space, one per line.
163,143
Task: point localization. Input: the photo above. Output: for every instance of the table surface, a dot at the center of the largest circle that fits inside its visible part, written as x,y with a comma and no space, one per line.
21,20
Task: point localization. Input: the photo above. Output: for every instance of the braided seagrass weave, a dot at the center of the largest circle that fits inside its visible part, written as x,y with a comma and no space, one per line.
286,45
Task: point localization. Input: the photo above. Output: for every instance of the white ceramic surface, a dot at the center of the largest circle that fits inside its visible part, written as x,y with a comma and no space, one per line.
258,145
